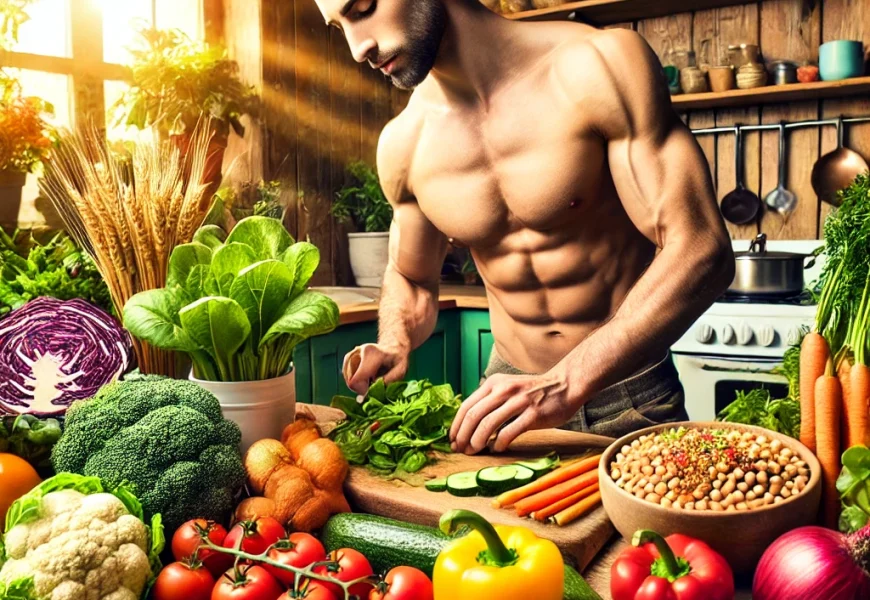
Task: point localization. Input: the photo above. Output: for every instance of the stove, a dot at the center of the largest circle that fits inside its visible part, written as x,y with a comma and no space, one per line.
739,342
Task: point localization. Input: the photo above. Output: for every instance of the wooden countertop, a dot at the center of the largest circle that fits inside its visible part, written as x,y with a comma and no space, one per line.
359,305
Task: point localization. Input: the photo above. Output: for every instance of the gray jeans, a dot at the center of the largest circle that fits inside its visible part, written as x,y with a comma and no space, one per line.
652,396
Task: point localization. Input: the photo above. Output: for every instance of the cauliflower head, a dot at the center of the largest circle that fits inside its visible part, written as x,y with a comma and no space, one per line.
69,539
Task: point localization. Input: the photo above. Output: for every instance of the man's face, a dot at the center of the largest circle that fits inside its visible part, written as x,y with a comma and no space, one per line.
399,37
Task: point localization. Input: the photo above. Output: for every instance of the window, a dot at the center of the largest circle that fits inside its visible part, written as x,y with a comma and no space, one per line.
72,54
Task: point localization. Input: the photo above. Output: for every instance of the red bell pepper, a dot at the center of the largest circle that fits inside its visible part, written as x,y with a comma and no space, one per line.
676,568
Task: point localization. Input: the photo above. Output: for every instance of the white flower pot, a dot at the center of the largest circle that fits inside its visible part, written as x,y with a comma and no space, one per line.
260,408
369,253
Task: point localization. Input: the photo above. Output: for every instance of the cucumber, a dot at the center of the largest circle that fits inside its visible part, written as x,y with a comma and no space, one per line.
524,476
437,485
388,544
541,465
495,480
463,484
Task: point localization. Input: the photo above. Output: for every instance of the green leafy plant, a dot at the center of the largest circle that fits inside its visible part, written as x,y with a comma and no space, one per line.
756,407
176,80
363,204
396,424
30,438
853,484
237,304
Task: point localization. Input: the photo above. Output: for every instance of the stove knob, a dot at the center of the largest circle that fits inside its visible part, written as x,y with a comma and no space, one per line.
766,336
728,335
744,334
794,336
704,334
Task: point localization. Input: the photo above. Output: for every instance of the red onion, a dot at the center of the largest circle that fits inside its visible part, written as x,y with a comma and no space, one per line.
811,563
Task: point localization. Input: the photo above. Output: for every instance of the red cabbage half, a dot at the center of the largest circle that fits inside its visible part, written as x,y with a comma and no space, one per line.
53,352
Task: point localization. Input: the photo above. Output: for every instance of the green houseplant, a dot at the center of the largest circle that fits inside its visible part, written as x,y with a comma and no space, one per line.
363,206
238,305
176,82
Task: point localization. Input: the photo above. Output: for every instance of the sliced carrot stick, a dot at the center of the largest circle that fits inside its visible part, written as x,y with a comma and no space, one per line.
814,356
576,511
859,405
829,403
844,374
545,498
552,478
557,507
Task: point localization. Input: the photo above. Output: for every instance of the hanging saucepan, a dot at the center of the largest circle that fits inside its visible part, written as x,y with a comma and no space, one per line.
763,273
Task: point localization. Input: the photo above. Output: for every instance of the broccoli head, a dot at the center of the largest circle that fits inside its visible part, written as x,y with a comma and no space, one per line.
166,438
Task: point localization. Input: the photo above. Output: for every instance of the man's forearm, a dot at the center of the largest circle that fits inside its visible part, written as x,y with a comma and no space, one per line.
677,288
407,313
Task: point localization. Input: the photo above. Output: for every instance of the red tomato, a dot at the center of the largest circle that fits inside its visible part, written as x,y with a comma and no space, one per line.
350,565
256,535
404,583
252,583
188,538
309,589
302,550
180,582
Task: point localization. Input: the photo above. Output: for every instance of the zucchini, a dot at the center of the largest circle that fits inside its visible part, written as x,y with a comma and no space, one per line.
463,484
388,544
496,480
540,466
437,485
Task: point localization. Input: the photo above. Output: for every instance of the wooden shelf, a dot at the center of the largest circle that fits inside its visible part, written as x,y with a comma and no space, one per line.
607,12
793,92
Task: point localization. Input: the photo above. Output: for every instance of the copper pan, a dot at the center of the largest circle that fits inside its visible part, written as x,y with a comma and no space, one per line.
837,169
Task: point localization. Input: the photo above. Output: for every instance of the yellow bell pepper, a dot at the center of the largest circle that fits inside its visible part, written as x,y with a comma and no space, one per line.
496,562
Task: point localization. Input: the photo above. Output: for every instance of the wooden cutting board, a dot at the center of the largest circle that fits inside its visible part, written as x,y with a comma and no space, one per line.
579,542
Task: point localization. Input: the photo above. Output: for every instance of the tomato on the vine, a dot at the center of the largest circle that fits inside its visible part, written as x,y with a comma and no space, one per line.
300,550
179,581
348,564
250,583
404,583
309,589
256,535
188,538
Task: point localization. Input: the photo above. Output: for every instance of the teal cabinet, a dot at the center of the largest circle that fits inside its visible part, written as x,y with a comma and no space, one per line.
318,361
477,341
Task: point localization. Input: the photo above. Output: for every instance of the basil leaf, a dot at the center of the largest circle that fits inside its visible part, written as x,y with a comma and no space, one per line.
413,461
379,461
348,405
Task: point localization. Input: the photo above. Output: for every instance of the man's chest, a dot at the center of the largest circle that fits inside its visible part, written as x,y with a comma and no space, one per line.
527,166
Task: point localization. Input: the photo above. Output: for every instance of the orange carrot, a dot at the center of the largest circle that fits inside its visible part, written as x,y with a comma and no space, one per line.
557,507
814,356
859,405
552,478
547,497
844,372
829,403
573,513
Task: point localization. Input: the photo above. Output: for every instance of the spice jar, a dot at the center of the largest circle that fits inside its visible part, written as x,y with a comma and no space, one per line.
721,78
693,80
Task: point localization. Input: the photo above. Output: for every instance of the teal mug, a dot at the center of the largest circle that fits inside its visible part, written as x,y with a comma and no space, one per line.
841,59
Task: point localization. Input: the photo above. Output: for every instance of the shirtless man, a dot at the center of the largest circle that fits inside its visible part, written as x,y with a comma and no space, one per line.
552,151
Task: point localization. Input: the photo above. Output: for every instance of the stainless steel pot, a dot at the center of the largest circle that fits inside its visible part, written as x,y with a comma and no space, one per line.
763,273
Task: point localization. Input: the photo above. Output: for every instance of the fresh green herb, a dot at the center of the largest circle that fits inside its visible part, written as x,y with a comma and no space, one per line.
854,487
364,203
30,438
395,426
756,407
57,269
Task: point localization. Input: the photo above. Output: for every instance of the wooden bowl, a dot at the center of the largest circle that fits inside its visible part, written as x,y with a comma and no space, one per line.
741,537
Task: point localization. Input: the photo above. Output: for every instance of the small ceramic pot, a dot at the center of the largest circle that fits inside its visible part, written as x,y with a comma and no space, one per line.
693,80
751,75
743,54
841,59
808,73
721,78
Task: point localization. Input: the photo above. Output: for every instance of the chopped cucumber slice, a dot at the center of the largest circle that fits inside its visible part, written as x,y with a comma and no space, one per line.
541,465
437,485
463,484
496,480
524,475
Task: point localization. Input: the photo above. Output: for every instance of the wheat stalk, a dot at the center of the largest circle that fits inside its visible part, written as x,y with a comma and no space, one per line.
130,217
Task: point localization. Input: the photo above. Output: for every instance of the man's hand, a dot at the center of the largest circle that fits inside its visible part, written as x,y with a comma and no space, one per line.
532,401
365,363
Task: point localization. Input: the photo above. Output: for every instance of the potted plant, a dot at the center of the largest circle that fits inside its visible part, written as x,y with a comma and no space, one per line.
176,82
25,139
364,206
238,305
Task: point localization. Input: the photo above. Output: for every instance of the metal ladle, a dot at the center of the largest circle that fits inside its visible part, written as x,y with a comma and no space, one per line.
740,206
780,199
837,169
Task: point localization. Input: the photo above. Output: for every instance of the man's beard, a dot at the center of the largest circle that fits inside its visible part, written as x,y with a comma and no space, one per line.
426,28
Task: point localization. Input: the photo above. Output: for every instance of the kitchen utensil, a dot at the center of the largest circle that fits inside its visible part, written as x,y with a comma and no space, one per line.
721,78
762,273
742,54
693,80
780,199
837,169
740,536
751,75
841,59
783,72
740,206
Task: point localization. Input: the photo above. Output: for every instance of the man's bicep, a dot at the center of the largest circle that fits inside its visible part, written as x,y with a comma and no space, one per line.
417,248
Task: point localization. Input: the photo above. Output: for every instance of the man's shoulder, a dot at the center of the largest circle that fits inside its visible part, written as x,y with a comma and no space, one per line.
610,52
396,146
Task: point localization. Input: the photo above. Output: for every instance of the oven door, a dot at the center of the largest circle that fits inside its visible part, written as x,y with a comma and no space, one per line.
711,382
